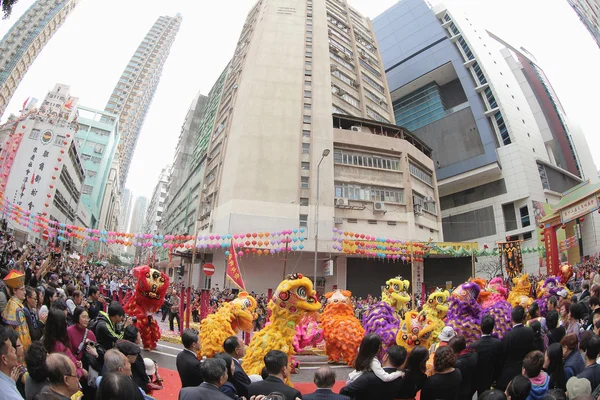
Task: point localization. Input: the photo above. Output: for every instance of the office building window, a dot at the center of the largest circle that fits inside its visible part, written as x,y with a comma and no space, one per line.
307,106
427,206
34,134
524,211
305,148
307,119
305,133
343,77
510,217
490,98
307,94
304,201
376,116
58,141
479,73
337,110
305,166
420,173
502,128
543,177
303,219
365,160
353,191
304,182
374,84
87,189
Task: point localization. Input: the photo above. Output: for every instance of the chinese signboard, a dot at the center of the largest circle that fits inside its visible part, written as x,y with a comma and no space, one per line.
513,259
580,209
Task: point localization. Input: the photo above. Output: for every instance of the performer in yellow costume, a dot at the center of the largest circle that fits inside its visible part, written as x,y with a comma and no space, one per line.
13,314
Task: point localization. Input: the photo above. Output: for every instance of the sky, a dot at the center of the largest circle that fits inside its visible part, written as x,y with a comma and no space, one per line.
91,49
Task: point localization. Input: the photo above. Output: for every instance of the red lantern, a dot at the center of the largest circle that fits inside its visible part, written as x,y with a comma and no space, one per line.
48,195
581,219
564,227
59,159
247,243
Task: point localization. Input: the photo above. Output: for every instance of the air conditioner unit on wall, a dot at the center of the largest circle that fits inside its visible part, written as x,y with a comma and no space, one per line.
339,202
338,220
418,209
429,200
378,206
356,128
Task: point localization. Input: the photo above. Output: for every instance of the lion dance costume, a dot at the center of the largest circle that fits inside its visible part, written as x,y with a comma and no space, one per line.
493,302
232,317
519,295
436,309
150,290
292,300
343,331
308,333
464,314
417,329
382,318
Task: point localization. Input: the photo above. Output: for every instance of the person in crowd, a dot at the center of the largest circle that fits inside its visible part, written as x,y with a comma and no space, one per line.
118,386
49,297
489,356
366,360
532,370
107,331
276,363
370,386
556,394
515,346
540,341
237,349
577,387
591,371
228,389
174,311
576,313
466,363
414,373
37,378
34,323
444,337
164,309
95,302
573,364
188,365
553,365
555,332
534,315
131,335
214,374
584,296
138,368
56,338
594,304
552,304
564,308
13,314
81,340
63,378
445,384
324,380
20,370
584,339
518,388
492,394
8,367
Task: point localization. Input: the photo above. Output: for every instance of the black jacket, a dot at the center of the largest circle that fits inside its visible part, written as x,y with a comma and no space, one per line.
325,394
106,334
240,380
368,386
188,367
413,382
205,391
515,346
489,362
36,327
592,374
467,364
555,335
273,384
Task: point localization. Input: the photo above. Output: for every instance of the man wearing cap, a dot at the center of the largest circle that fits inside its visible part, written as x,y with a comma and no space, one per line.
13,314
138,369
444,337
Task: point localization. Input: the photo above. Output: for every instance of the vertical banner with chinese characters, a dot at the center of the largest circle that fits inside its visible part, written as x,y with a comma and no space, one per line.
233,271
513,259
418,278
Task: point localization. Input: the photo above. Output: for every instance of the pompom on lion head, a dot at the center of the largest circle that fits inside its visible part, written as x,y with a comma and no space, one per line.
296,295
438,301
151,284
416,330
339,296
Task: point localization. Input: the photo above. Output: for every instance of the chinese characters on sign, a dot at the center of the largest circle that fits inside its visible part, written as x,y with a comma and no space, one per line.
513,259
418,267
580,209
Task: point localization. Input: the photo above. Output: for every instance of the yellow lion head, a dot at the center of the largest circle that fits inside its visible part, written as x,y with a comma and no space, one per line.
438,301
396,292
416,330
296,295
244,309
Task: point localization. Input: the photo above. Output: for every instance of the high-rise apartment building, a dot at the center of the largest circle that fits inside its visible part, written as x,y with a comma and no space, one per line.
135,89
98,137
305,114
126,208
589,14
25,40
138,216
502,148
156,207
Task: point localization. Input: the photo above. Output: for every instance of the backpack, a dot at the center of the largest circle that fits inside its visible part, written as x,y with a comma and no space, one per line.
92,325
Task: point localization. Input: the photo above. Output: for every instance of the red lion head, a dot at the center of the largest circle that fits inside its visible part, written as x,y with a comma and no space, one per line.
152,284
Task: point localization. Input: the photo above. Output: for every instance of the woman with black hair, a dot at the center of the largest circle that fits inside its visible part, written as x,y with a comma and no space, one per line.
414,373
576,313
555,332
228,389
518,388
553,365
445,384
49,296
37,371
539,342
56,338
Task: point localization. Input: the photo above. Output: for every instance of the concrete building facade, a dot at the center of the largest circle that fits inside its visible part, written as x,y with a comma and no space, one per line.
452,87
138,215
25,40
306,114
156,206
126,207
588,12
133,93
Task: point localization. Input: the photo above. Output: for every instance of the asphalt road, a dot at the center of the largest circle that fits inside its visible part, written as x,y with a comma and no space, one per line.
165,354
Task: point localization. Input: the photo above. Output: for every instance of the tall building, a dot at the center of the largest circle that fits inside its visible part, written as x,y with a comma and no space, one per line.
589,14
126,210
305,114
502,149
25,40
135,89
98,137
138,215
41,164
156,206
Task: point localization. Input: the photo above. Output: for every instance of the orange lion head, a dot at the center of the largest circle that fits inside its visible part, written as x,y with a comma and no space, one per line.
152,284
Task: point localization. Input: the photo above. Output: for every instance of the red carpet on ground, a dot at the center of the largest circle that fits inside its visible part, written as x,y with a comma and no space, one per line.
172,385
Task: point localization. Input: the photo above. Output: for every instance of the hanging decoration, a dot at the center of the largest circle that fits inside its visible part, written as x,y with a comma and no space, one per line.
511,253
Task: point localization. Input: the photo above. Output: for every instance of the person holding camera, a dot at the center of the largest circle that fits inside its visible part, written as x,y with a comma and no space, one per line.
82,343
95,302
108,326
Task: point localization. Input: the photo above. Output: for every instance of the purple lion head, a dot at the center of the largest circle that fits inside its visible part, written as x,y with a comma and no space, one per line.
468,291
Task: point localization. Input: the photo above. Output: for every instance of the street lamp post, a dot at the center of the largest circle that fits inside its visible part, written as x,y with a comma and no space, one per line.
325,154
